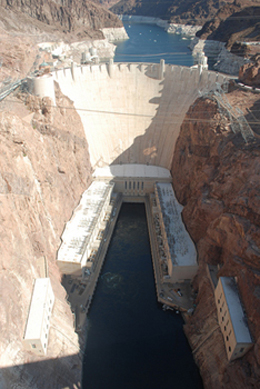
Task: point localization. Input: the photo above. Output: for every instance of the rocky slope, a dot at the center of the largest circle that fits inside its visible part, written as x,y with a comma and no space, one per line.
222,14
44,169
177,11
79,19
233,23
249,74
73,25
106,3
216,177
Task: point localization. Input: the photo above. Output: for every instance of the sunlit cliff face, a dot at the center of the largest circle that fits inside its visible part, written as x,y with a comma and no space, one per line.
216,177
128,113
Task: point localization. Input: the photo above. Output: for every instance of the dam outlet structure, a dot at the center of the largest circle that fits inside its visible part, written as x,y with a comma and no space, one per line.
86,237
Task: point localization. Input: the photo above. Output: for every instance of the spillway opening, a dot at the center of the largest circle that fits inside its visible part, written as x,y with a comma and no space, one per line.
131,342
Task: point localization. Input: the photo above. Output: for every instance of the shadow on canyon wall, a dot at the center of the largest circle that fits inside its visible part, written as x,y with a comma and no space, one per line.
179,89
60,374
253,117
147,148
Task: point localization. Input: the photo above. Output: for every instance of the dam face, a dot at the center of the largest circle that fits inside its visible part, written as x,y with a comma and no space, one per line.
132,113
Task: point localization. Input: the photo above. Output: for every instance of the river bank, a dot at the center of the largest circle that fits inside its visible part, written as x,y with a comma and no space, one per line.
151,43
171,28
220,59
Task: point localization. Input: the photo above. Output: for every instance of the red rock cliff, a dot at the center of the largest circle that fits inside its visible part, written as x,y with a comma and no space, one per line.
216,176
69,16
44,168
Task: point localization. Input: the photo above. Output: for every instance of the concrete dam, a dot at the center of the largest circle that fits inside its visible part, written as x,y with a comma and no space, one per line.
132,112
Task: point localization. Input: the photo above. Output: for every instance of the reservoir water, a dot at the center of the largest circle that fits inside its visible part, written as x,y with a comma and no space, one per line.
150,43
131,342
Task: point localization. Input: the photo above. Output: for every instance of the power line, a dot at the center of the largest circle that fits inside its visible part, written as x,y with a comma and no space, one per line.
181,55
142,115
157,54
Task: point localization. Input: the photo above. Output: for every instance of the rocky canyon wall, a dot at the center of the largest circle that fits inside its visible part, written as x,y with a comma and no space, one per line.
44,170
216,176
81,19
45,167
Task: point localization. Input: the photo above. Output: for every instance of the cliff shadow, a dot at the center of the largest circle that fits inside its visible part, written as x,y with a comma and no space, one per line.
179,89
60,373
238,22
253,118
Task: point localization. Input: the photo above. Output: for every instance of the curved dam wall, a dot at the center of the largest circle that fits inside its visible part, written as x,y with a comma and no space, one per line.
132,112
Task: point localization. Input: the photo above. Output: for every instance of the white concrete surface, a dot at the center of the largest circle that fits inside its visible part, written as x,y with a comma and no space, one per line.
37,326
43,86
178,249
235,310
232,319
133,171
133,180
115,34
129,115
181,246
82,229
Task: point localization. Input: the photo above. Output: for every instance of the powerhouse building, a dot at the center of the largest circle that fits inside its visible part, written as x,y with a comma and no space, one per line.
232,319
179,249
38,323
133,180
81,232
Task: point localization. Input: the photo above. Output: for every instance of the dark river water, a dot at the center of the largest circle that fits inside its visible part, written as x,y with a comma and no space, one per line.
131,342
150,43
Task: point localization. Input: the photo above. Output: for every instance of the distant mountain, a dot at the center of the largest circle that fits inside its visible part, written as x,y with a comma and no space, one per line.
225,21
79,18
178,11
106,3
233,24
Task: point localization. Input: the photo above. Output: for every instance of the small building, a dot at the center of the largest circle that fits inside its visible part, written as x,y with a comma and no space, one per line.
38,323
84,228
232,319
43,86
200,61
178,247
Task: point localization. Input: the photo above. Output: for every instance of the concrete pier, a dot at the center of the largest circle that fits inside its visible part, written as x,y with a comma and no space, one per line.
81,289
177,295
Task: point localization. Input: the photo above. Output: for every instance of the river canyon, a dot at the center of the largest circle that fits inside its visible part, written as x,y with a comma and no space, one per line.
116,114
